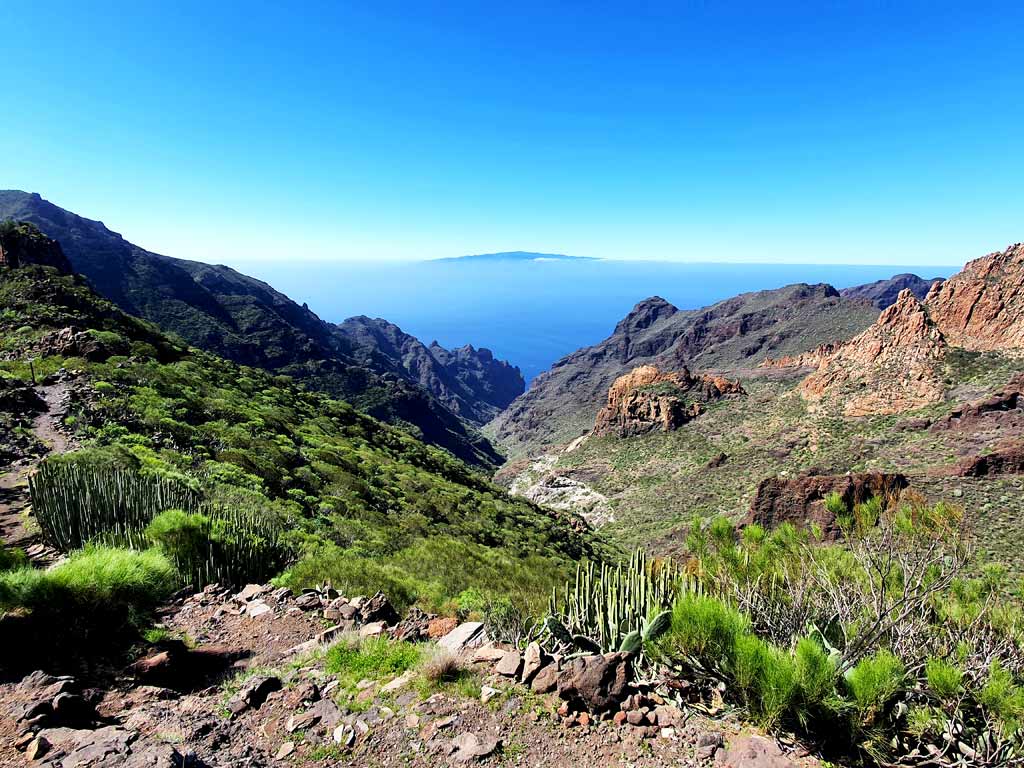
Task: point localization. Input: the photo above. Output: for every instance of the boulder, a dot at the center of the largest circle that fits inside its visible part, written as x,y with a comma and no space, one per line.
546,680
468,747
509,664
377,608
756,752
253,693
533,660
469,634
596,682
801,500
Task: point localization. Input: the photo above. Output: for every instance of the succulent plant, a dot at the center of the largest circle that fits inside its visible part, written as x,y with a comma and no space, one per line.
616,607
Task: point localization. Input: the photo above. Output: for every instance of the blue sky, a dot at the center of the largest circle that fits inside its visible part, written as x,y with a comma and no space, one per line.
801,132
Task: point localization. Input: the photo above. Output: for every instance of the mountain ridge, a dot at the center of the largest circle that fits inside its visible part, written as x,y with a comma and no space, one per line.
246,320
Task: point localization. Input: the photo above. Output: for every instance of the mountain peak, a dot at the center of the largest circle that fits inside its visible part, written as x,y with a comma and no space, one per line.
645,314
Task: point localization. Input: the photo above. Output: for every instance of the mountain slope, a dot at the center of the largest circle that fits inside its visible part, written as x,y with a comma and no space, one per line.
470,382
928,394
361,499
736,333
245,320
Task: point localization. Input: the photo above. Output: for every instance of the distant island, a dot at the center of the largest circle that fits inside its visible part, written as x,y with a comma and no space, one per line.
518,256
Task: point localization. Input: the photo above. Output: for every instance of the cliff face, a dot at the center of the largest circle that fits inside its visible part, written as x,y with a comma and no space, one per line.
22,244
982,307
895,365
645,399
889,368
469,382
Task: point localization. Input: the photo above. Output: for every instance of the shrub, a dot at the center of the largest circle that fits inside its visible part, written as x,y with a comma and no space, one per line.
704,629
815,673
440,666
11,558
766,677
99,590
944,679
231,549
1003,698
874,681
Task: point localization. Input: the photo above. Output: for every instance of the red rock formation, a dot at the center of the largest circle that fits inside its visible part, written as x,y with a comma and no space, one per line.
981,308
811,359
646,399
1008,460
989,409
801,500
889,368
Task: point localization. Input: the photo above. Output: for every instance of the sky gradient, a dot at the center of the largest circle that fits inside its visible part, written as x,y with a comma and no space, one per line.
779,132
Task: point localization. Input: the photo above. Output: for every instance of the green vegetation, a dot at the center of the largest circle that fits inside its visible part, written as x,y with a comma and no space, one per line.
882,642
615,607
262,471
77,500
96,594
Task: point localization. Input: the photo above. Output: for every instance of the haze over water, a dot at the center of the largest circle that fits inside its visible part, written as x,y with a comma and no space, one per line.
533,313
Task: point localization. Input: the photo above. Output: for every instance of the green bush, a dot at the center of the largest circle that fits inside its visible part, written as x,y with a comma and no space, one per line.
96,589
874,681
1003,698
231,549
944,679
766,677
816,674
11,558
703,628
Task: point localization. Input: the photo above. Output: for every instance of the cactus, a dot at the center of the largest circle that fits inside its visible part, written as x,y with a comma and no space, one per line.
607,603
631,643
657,626
76,503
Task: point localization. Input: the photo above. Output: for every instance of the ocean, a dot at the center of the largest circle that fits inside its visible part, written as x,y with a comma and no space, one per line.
533,312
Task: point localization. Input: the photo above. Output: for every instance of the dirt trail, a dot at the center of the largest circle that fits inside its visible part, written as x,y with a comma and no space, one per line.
15,505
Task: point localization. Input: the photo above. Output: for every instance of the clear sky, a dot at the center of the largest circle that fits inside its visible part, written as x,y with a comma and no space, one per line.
846,132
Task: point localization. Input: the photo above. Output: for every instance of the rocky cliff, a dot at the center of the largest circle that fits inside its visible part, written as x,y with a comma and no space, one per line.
646,399
896,364
22,244
469,382
981,308
889,368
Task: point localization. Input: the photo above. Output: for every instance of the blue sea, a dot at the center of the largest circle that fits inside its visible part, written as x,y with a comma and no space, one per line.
533,312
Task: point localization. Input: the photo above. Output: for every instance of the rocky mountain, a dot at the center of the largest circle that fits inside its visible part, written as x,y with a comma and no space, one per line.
245,320
469,382
925,396
981,308
882,293
896,364
737,333
890,368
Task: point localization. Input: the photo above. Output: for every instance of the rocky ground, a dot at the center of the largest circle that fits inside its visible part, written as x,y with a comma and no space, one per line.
240,680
